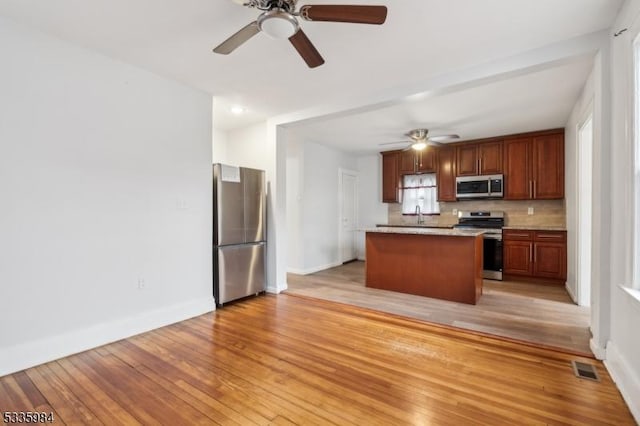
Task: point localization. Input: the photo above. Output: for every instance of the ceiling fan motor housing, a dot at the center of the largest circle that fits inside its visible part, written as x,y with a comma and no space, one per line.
278,23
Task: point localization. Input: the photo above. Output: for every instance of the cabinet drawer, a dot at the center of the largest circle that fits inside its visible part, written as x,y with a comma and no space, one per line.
551,236
517,235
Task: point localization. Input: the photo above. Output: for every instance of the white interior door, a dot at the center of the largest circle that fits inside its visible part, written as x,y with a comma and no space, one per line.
348,216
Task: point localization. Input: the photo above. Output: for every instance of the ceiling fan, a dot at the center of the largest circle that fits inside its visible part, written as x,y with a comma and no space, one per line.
420,139
279,20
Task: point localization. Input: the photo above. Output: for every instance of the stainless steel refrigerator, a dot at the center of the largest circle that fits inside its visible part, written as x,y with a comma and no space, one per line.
239,232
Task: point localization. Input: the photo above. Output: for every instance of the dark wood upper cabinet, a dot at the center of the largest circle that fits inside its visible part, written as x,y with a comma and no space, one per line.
534,166
547,169
407,162
412,162
467,160
446,173
516,169
479,158
426,160
391,177
490,156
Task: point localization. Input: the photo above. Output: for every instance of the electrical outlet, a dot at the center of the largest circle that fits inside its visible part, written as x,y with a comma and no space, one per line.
141,284
530,211
454,212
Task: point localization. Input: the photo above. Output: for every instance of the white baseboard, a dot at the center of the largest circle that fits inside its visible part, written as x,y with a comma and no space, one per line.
29,354
572,294
599,352
313,270
627,380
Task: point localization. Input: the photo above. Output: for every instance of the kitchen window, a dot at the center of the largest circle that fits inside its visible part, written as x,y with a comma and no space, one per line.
420,191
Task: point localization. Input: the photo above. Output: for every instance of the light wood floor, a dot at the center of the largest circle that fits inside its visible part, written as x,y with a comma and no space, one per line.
540,314
286,360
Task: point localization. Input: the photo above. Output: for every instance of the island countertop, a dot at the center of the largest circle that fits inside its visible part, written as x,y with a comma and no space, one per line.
462,232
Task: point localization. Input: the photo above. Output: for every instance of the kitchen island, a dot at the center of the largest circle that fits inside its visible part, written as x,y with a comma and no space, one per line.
440,263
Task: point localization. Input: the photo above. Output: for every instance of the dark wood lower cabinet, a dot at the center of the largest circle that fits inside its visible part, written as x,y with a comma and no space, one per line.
535,255
517,258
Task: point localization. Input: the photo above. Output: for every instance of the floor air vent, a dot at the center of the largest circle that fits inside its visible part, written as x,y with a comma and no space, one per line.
585,371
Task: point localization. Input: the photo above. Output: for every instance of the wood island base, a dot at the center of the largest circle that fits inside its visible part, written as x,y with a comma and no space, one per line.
438,266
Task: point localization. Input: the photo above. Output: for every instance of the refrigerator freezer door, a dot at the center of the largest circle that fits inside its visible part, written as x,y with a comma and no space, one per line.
254,204
240,270
228,203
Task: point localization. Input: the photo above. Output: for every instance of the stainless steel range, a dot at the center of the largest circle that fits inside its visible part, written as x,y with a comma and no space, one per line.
491,223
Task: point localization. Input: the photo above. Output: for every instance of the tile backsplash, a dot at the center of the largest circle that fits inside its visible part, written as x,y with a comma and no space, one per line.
545,212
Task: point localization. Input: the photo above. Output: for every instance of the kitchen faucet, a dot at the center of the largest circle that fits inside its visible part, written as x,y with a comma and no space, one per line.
420,217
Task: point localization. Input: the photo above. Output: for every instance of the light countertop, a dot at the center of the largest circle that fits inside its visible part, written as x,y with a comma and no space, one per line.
426,231
415,225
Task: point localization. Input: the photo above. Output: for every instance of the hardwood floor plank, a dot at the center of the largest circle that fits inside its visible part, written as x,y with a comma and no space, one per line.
68,406
538,314
91,394
286,360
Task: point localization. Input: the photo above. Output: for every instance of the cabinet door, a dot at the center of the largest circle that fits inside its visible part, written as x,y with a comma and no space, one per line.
446,173
550,260
490,158
467,160
517,183
426,160
517,257
407,164
390,177
548,166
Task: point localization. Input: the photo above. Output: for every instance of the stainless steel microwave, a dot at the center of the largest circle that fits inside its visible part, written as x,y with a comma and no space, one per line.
474,187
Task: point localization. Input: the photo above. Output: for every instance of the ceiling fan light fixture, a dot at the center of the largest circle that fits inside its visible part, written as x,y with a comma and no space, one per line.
419,146
278,24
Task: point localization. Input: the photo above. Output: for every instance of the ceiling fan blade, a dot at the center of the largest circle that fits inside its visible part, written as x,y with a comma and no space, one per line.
236,40
443,138
306,49
394,143
344,13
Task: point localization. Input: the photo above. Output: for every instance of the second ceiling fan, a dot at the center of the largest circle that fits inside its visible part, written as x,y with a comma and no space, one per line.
279,20
420,139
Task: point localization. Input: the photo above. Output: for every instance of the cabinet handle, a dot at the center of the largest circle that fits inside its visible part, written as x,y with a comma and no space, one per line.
518,235
480,166
534,189
534,254
530,189
531,253
549,236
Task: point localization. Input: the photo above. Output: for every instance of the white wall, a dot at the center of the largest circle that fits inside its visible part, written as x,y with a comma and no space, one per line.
582,108
623,348
371,209
312,216
295,189
105,179
247,147
219,146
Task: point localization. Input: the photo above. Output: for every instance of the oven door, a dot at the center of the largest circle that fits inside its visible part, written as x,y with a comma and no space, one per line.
492,257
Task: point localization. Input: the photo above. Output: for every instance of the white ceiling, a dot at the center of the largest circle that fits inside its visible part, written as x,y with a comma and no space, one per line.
421,40
534,101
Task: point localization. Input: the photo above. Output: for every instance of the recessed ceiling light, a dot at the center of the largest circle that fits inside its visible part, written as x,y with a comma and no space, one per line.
237,109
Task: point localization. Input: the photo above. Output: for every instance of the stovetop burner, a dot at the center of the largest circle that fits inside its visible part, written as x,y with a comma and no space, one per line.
480,219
